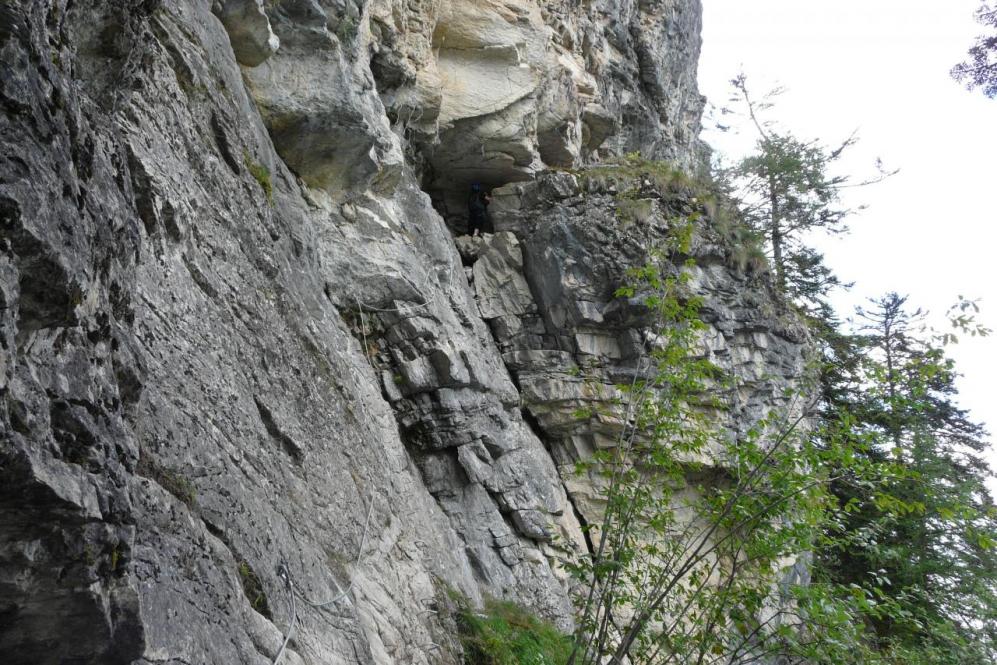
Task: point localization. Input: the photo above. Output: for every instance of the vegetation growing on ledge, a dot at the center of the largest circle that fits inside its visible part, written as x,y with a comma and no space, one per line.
260,173
253,589
629,170
170,480
637,182
506,634
715,575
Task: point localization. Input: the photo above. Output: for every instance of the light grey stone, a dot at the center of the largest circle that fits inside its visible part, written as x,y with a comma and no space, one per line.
499,284
249,29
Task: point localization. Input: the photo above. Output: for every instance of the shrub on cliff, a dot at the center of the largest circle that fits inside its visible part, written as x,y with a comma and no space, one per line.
506,634
699,557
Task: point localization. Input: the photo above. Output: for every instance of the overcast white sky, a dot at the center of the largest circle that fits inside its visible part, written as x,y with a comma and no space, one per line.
881,66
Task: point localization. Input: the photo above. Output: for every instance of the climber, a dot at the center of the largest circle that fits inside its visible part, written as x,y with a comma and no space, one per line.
477,210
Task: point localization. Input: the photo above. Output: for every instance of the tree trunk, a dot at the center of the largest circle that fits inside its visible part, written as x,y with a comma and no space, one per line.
775,237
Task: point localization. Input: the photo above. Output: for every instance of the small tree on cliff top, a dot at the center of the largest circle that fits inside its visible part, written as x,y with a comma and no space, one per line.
786,189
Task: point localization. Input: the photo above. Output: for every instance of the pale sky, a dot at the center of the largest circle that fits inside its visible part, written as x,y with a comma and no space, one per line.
881,66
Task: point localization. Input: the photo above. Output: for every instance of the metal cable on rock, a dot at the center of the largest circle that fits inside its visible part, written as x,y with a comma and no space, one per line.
283,571
363,544
285,575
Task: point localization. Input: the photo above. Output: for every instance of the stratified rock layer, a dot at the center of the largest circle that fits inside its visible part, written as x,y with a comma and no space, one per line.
240,356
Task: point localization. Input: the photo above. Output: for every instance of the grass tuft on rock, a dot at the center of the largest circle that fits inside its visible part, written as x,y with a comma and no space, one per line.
252,587
631,172
170,480
506,634
347,30
260,173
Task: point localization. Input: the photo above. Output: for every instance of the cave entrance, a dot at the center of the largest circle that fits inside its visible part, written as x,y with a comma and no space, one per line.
463,158
488,103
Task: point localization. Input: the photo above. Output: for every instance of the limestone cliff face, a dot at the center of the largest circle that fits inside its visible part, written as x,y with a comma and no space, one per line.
242,361
497,90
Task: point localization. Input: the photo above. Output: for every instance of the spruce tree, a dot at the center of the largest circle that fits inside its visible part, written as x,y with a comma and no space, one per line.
921,541
786,189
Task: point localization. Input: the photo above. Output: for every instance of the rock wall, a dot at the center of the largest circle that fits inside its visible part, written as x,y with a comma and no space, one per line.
546,283
494,91
243,371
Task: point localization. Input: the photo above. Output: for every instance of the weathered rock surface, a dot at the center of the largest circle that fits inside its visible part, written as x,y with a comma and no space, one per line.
248,29
182,402
240,355
497,90
569,341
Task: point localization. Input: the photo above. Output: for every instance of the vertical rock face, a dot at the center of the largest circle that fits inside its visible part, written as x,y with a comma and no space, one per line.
563,247
241,359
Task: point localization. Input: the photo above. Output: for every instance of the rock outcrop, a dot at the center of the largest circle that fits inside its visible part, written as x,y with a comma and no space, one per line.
243,369
497,90
546,285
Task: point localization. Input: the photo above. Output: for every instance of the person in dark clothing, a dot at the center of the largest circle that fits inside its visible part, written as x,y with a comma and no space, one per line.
477,210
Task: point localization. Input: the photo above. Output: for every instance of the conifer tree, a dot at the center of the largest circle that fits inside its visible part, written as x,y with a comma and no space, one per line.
980,69
921,541
786,189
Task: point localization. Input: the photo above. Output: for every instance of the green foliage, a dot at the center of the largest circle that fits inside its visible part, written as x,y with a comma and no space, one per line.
639,183
704,564
640,543
745,245
922,535
253,589
690,554
703,551
260,173
786,189
506,634
905,531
